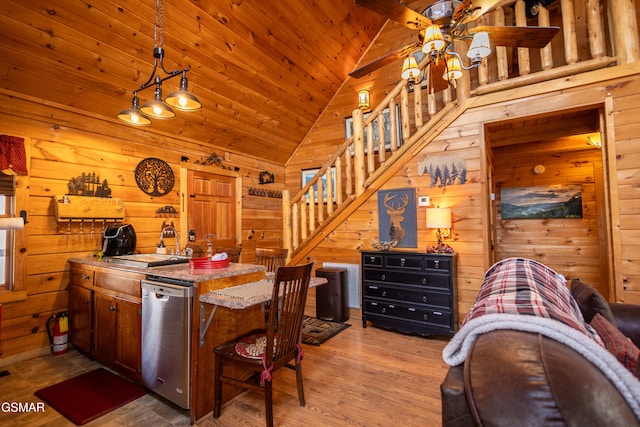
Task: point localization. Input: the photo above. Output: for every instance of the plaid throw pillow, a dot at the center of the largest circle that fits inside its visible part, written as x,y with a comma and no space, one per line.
619,345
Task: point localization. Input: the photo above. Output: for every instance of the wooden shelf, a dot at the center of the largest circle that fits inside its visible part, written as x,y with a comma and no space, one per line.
69,208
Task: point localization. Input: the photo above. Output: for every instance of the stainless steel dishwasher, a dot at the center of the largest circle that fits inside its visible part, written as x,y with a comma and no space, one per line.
167,310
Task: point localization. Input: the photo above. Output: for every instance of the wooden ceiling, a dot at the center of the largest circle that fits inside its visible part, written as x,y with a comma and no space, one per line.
264,70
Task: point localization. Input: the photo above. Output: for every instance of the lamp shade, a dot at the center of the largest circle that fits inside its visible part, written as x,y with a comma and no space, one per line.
433,39
439,218
454,68
410,70
480,47
364,100
183,99
133,115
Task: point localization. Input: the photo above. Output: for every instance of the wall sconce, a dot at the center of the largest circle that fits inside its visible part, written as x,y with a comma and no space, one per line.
364,99
440,218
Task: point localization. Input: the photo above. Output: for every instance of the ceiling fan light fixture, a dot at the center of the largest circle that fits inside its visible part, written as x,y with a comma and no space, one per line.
454,68
433,39
410,70
182,99
133,115
480,47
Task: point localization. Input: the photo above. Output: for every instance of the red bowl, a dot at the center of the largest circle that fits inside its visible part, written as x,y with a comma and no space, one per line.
198,263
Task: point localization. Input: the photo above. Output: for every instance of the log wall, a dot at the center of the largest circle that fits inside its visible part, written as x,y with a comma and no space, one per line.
63,144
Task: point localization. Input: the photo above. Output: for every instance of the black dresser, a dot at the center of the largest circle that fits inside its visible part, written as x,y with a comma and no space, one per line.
409,291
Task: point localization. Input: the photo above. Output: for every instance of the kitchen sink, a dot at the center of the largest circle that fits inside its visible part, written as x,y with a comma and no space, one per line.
147,260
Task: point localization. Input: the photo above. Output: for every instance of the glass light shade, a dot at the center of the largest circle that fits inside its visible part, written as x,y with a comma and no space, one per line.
480,47
410,70
364,100
454,68
133,115
183,99
433,39
439,218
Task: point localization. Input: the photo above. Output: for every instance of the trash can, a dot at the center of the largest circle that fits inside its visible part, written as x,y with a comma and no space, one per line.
331,298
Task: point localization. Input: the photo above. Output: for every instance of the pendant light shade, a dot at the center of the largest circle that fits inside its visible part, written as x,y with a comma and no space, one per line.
182,99
157,108
133,115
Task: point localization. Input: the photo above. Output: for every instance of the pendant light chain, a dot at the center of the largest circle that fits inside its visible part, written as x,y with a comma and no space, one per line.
158,33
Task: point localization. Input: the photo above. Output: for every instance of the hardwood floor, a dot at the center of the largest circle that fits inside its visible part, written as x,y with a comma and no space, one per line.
360,377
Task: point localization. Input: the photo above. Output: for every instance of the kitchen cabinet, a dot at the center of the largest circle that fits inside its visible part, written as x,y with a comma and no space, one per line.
105,317
409,291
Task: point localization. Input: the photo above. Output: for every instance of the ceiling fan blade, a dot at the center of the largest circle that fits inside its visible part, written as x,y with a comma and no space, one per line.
531,37
398,12
384,60
470,10
436,82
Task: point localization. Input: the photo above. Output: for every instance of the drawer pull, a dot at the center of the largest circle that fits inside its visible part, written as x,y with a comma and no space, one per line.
424,280
87,301
86,277
384,277
384,293
425,317
424,298
401,262
112,308
384,310
436,263
412,309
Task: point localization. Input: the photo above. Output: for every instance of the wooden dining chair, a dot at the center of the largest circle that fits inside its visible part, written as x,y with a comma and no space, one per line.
267,350
272,258
232,251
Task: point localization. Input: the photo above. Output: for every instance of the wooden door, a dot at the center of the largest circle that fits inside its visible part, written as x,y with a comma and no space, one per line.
128,341
211,208
104,327
80,317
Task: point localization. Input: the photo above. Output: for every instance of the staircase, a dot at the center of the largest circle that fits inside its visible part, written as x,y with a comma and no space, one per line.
409,118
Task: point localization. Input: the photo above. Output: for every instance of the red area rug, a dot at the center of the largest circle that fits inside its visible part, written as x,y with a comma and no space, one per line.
91,395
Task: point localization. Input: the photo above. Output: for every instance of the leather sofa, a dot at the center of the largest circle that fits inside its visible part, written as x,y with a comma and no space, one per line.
516,378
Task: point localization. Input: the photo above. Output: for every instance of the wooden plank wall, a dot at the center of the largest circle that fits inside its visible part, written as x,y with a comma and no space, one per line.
466,138
569,246
63,145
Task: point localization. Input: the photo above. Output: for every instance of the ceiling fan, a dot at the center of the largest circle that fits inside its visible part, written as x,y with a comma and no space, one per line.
448,19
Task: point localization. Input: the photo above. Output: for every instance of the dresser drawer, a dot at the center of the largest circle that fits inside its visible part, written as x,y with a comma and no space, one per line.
441,264
405,277
372,260
419,296
407,312
404,261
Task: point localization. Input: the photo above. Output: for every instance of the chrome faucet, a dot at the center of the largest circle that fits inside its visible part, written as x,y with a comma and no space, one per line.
169,232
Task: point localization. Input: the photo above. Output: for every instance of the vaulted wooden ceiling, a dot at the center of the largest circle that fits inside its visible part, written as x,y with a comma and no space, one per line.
264,70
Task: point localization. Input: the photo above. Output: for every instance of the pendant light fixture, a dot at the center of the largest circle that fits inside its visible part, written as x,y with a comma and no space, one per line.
158,108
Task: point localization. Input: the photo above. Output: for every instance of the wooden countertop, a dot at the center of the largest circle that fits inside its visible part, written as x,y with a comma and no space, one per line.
177,271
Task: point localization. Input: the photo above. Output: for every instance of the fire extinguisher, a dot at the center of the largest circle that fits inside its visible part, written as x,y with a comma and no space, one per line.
59,334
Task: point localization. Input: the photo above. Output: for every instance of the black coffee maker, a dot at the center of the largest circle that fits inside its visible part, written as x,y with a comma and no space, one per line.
118,239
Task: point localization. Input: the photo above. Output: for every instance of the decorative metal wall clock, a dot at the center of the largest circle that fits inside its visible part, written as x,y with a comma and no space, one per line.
154,176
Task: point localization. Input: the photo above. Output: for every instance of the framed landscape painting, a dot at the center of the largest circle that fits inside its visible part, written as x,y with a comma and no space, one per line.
551,201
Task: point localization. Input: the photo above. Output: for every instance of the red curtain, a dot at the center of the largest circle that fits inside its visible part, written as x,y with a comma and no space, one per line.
13,154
